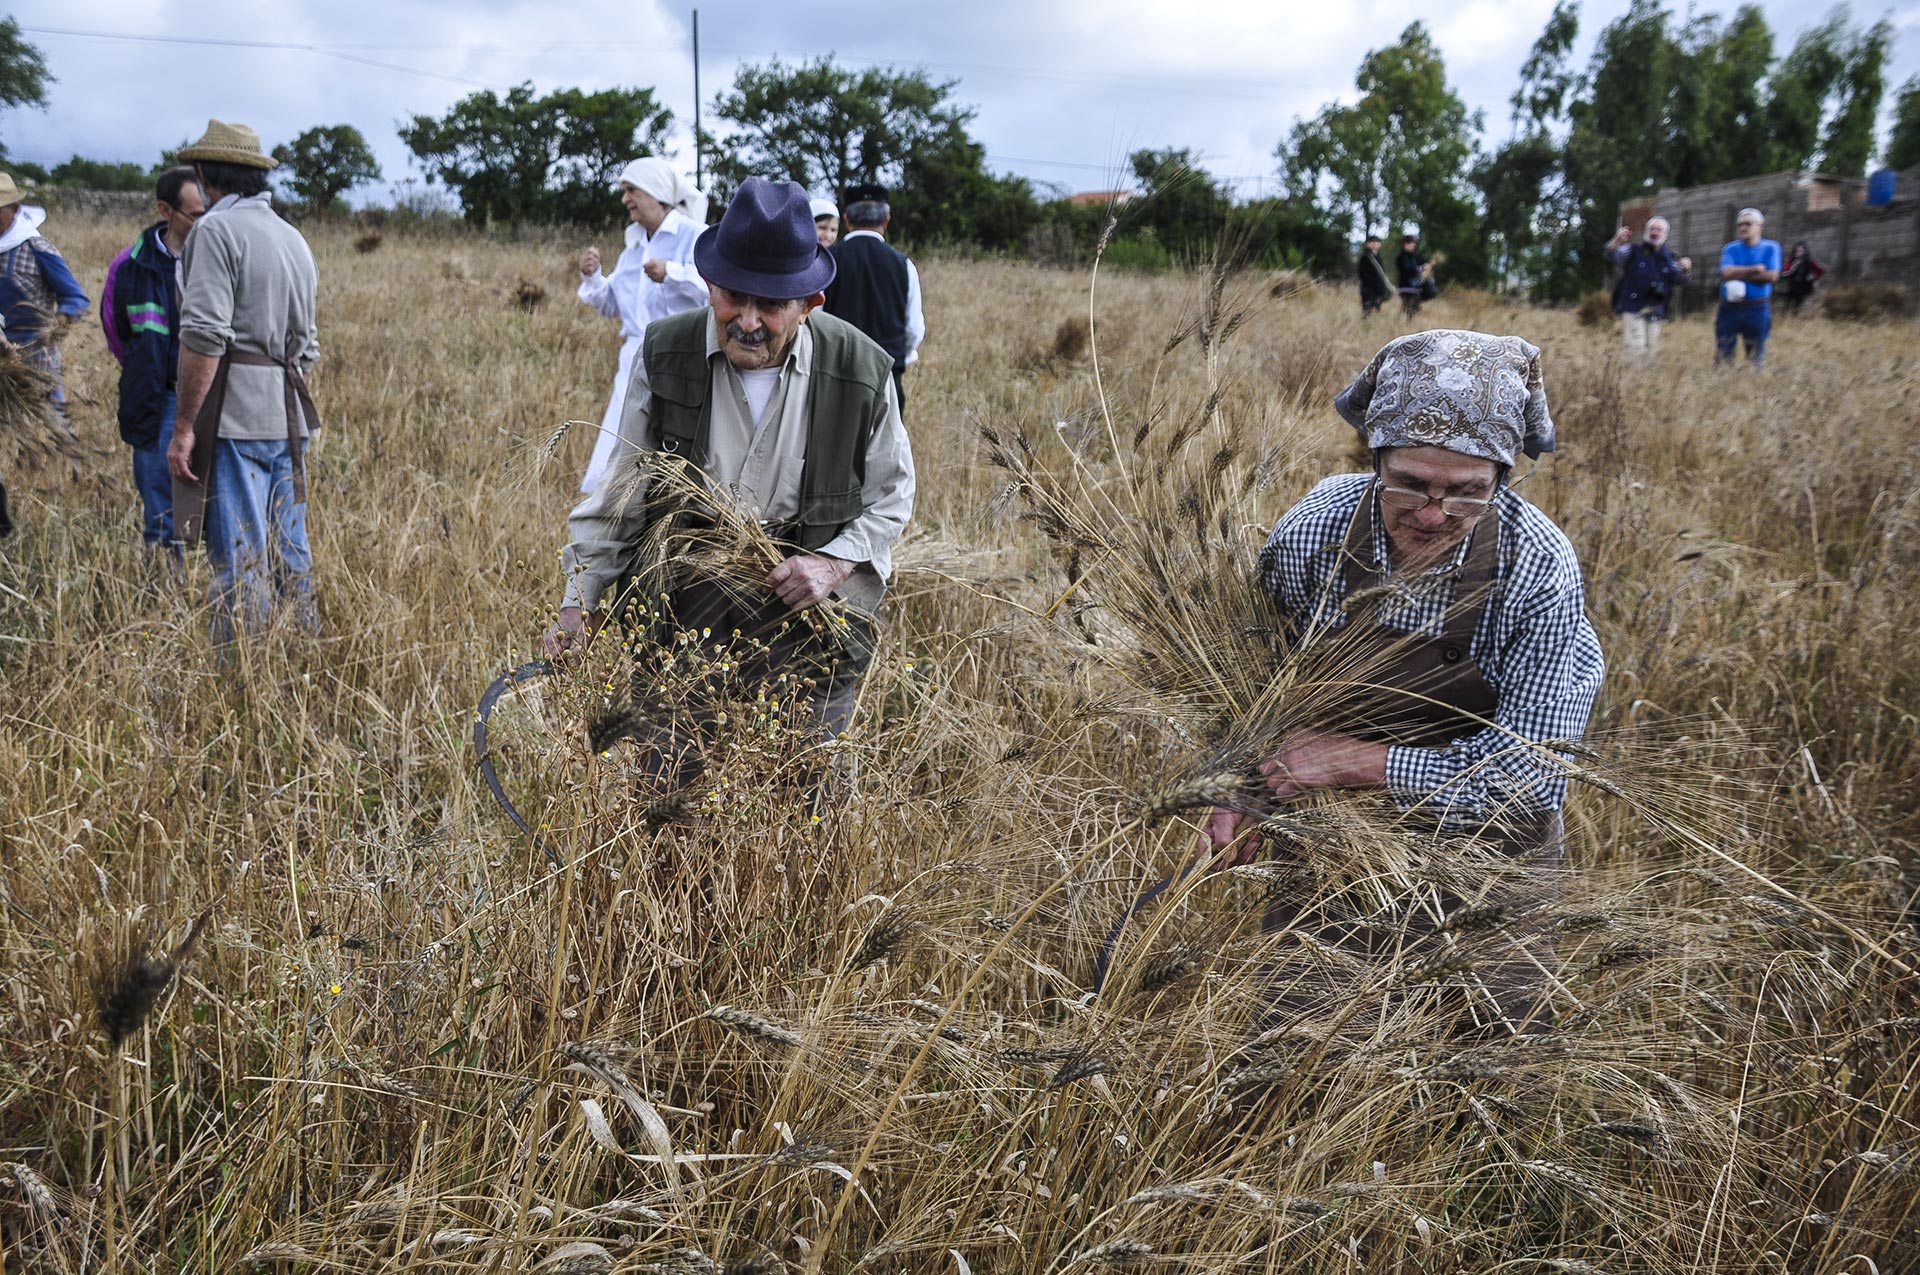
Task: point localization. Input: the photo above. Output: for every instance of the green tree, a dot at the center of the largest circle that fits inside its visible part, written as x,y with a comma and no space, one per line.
326,162
1718,105
1183,207
521,158
23,71
1903,147
1398,156
96,174
1525,206
828,127
1847,145
1619,140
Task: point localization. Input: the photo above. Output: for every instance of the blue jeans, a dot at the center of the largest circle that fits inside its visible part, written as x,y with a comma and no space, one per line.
155,485
1747,322
257,537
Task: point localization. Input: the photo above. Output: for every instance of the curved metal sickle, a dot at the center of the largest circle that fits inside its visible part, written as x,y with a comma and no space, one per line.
488,698
1152,892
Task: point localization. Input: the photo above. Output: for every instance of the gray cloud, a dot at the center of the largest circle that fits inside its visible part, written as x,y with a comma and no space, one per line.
1064,91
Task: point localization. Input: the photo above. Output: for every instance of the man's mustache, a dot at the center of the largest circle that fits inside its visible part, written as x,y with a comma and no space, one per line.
740,336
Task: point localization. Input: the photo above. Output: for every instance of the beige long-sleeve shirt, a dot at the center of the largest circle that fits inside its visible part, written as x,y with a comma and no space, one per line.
250,285
758,466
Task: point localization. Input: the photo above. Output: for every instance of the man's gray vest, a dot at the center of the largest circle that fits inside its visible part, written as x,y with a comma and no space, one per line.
848,386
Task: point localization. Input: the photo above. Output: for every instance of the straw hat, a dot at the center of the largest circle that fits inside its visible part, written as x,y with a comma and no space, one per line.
225,143
9,193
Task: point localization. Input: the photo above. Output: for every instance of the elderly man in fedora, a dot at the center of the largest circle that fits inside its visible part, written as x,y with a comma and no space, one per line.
1456,607
248,343
787,416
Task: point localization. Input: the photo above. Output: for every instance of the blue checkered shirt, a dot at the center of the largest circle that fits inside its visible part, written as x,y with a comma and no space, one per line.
1534,645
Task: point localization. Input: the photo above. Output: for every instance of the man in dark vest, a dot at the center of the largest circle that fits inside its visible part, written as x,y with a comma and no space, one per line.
876,288
784,416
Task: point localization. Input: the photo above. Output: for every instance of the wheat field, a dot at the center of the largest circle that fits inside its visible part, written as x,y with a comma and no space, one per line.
285,991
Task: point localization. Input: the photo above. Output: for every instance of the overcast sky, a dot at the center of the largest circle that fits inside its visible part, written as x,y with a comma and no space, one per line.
1064,90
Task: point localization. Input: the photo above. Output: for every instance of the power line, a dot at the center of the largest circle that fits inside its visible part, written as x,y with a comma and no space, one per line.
1207,86
210,42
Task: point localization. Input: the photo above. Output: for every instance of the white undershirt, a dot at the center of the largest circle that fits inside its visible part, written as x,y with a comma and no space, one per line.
759,386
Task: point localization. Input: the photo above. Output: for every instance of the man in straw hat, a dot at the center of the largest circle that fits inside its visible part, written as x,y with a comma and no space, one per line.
38,293
248,344
653,278
785,417
1455,606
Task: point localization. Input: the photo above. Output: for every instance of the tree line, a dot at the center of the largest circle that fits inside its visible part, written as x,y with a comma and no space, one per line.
1662,101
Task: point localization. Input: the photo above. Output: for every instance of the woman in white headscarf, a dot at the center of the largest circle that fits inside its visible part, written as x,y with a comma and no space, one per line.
653,278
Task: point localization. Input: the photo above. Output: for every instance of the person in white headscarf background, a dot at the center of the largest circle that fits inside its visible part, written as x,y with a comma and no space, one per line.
826,220
653,277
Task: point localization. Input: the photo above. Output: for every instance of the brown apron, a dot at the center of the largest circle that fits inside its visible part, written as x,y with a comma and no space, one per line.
190,499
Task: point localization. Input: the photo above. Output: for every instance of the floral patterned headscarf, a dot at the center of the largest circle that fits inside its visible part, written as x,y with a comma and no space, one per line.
1468,392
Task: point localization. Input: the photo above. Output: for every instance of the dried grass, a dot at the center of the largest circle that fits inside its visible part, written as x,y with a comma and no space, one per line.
812,1035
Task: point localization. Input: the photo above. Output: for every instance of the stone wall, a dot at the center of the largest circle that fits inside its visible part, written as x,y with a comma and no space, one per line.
126,205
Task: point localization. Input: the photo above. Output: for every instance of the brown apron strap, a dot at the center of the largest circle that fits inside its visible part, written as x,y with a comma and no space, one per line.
190,499
1475,581
1471,586
299,404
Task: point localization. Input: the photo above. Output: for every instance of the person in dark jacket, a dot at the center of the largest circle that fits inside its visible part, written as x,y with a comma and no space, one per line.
1414,275
140,308
875,287
1375,287
1649,273
1800,276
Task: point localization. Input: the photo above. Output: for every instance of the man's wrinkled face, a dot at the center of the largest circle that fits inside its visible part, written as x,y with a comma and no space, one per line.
757,332
7,215
181,216
1422,537
1748,229
1657,231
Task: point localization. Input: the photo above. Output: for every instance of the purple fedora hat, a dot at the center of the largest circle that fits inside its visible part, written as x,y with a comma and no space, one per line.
765,245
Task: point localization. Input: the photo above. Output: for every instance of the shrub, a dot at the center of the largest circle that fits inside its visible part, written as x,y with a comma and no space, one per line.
1866,302
1595,309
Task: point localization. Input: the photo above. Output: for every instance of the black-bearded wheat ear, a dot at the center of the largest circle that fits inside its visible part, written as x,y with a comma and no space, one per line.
131,992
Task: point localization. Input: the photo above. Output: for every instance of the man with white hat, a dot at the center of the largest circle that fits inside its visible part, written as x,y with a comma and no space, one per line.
787,416
248,342
37,289
1749,266
653,277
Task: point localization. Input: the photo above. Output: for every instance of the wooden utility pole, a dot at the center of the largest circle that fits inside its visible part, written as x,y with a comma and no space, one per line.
697,173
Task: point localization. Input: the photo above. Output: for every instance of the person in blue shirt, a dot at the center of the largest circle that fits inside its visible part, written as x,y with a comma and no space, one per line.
1748,268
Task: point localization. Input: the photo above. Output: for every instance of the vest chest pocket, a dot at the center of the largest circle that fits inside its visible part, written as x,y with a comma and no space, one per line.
678,405
835,507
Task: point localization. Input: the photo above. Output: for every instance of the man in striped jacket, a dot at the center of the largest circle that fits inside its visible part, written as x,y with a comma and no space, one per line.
140,309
